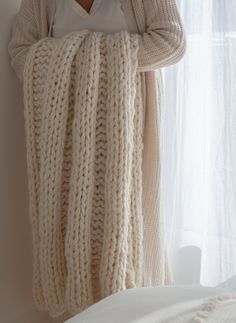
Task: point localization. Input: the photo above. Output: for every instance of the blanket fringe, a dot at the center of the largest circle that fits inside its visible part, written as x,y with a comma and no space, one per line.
210,305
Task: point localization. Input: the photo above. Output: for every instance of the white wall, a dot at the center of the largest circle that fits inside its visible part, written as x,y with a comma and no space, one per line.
16,304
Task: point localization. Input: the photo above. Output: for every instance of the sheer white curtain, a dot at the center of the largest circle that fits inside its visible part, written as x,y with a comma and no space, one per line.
199,146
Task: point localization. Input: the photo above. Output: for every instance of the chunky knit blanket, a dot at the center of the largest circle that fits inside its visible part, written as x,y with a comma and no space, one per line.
84,124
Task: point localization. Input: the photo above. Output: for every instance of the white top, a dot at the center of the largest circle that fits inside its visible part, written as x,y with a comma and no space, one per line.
105,15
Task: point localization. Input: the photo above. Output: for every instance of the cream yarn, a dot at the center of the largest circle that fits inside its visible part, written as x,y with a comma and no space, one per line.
84,125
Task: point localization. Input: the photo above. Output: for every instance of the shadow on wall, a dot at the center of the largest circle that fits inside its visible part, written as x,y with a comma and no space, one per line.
15,236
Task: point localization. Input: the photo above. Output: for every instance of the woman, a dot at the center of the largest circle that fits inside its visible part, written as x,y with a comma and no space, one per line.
161,43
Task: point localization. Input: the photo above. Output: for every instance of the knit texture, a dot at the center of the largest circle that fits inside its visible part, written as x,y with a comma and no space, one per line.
84,125
162,42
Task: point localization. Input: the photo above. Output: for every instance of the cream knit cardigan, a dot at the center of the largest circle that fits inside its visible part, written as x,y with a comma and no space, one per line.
162,42
84,124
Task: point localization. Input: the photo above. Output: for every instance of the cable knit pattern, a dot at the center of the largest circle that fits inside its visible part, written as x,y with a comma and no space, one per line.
84,126
162,42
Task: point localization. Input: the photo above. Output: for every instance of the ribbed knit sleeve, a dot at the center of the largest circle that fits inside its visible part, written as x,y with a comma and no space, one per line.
164,42
24,33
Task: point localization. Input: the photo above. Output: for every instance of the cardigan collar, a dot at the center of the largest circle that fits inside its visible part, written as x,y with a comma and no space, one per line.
133,10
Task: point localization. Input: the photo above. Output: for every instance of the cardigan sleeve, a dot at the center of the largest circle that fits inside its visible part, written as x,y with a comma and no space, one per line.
24,33
164,42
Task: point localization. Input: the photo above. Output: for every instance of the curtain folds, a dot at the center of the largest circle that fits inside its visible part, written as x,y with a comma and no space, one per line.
199,146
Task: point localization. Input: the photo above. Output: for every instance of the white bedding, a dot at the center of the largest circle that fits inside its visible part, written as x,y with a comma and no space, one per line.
170,304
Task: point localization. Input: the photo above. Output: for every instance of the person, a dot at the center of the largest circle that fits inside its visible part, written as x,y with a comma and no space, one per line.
162,42
85,4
